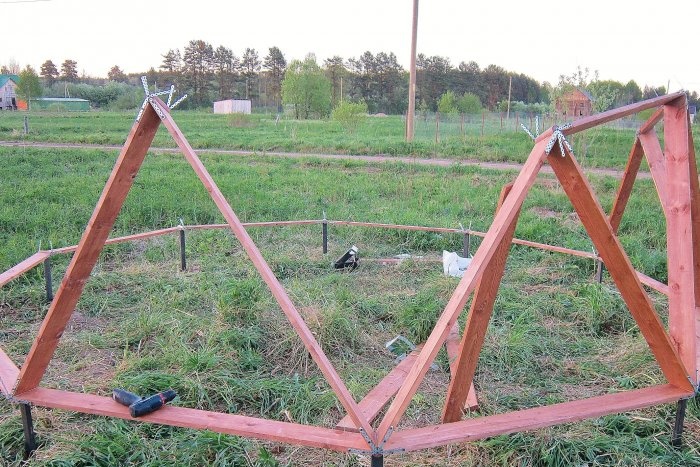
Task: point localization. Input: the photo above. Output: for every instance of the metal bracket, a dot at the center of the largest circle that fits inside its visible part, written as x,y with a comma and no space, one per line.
148,99
376,450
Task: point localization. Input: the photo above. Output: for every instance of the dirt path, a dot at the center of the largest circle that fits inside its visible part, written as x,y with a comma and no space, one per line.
510,166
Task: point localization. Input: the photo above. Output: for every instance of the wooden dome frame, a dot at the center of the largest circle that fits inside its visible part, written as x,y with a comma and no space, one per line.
677,351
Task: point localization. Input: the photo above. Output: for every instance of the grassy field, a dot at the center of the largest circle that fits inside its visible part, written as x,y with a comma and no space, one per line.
215,334
604,147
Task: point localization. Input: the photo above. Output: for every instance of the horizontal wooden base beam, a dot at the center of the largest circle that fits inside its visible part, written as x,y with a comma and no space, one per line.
532,419
24,266
239,425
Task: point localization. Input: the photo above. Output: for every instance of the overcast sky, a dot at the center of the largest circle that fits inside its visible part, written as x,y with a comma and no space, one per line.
650,42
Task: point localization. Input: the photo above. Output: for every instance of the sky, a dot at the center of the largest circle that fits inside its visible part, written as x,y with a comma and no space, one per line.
650,42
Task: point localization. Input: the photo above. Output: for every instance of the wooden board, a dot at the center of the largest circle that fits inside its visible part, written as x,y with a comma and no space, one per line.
24,266
89,248
238,425
521,186
618,264
626,184
8,374
452,349
477,323
532,419
278,292
657,165
679,236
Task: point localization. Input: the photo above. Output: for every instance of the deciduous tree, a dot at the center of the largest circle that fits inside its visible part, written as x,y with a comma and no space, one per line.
307,89
29,86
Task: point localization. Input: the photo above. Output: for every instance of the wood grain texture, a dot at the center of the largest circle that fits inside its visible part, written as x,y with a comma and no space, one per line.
8,374
24,266
487,249
238,425
278,291
477,322
100,225
682,323
652,121
618,264
695,214
375,400
452,348
532,419
657,165
615,114
626,184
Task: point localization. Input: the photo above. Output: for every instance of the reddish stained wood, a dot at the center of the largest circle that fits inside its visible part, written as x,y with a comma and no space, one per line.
238,425
381,394
532,419
89,248
679,236
452,348
477,322
652,283
623,274
652,121
525,180
621,112
23,267
278,292
8,374
396,226
657,165
695,214
127,238
626,184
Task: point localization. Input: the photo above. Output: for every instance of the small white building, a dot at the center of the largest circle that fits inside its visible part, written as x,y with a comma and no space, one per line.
232,106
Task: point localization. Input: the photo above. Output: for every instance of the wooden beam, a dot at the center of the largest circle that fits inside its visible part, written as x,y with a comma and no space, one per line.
375,400
679,236
625,190
615,114
278,292
521,186
89,248
653,283
623,274
532,419
284,432
657,165
8,374
477,323
695,214
452,349
24,266
652,121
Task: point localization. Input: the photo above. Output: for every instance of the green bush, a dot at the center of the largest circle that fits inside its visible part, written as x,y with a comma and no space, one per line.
469,103
448,103
350,115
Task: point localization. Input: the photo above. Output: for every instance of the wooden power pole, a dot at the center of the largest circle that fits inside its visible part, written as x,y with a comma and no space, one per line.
412,77
510,85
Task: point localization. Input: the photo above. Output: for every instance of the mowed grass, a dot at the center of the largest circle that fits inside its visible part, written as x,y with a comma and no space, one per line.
601,147
215,334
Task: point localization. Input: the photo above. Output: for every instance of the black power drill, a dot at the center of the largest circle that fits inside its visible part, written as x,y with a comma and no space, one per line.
138,405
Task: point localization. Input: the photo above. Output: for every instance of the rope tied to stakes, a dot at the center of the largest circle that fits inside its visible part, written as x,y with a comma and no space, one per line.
557,137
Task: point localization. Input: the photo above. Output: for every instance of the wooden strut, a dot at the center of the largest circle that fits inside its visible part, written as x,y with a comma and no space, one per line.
279,293
477,323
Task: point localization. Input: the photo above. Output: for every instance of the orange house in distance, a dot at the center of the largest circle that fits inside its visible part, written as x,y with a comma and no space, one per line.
575,104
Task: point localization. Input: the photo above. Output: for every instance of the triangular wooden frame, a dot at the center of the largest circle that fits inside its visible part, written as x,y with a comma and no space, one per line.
677,352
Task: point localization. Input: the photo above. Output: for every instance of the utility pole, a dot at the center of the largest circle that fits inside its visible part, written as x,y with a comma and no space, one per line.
510,85
412,77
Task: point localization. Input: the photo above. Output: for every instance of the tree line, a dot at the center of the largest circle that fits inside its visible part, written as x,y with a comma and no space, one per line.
207,73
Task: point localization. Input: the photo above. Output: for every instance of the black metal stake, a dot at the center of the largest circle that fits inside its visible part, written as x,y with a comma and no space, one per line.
599,272
47,278
183,257
465,244
26,125
677,437
325,236
28,428
377,460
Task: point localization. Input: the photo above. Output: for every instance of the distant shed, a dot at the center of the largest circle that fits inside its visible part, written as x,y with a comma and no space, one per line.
577,103
8,96
62,104
232,106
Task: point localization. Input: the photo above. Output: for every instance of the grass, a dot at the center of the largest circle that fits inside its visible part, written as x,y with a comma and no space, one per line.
215,335
604,147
